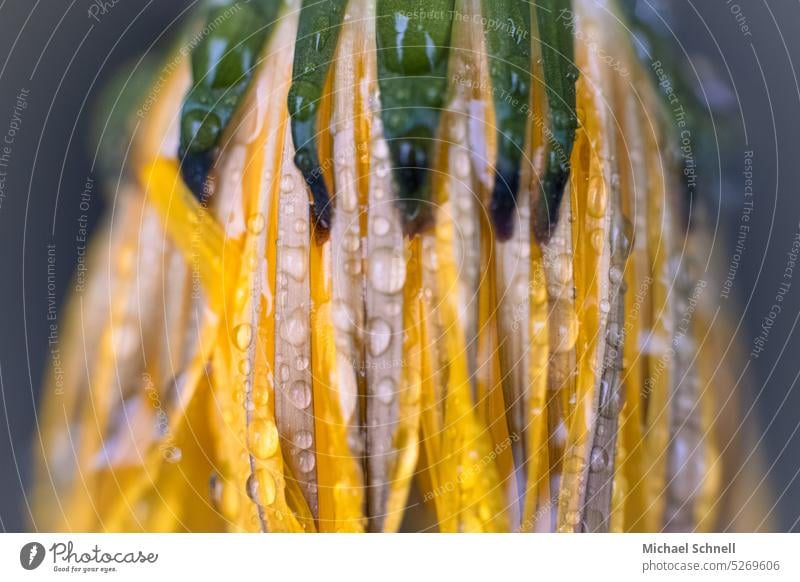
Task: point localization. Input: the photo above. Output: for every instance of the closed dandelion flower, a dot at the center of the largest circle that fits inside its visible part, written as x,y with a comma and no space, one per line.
378,265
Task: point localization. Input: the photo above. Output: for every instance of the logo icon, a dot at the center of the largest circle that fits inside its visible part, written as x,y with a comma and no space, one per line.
31,555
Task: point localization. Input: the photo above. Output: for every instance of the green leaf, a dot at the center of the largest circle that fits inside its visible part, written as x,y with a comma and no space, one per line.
413,49
560,75
507,27
223,62
317,35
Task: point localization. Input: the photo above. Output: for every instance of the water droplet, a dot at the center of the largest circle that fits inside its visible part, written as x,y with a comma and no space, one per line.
260,396
626,236
283,372
306,461
598,459
381,226
256,223
567,333
287,183
605,306
243,335
301,363
387,270
245,366
613,334
349,200
294,261
598,240
263,438
351,242
431,260
596,204
519,289
564,269
352,267
381,150
300,394
300,226
261,487
342,317
173,455
303,439
215,489
294,329
385,390
615,275
380,335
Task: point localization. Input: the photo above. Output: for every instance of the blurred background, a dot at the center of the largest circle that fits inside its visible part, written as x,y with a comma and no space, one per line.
56,56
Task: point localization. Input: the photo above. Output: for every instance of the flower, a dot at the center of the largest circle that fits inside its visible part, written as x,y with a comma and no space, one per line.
402,252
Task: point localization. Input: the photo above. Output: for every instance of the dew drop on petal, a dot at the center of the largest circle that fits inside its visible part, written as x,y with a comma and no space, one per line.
294,329
615,275
173,455
303,439
294,262
255,223
243,335
245,366
387,270
261,487
215,489
300,394
597,238
598,459
564,269
381,226
306,461
342,316
352,267
380,335
301,363
287,183
351,242
385,390
596,204
349,201
261,396
263,438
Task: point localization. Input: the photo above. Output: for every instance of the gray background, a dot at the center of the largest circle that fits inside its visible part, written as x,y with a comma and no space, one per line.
63,57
